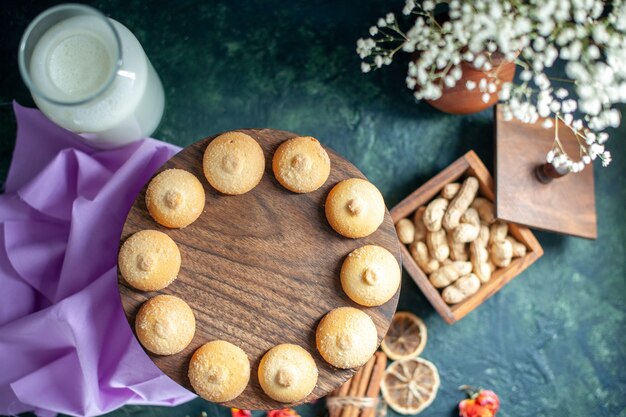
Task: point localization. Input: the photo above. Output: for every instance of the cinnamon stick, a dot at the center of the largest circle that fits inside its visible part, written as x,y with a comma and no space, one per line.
354,386
366,374
340,392
373,388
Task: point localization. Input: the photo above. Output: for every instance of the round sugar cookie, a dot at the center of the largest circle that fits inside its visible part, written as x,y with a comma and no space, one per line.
370,275
355,208
301,164
346,337
233,163
219,371
175,198
287,373
165,325
149,260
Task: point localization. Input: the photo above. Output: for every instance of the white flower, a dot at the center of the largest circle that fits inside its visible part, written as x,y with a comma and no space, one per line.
543,109
590,35
364,47
408,7
568,106
593,52
428,5
561,93
505,91
468,56
590,138
408,47
479,61
551,55
541,80
457,73
525,75
591,106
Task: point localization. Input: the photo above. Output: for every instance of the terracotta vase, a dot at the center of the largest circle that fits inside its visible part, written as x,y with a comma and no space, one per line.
460,100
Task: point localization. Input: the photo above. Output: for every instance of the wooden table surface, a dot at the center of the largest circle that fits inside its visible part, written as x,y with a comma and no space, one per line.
551,343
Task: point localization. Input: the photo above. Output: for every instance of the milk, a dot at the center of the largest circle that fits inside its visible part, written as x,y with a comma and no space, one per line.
77,59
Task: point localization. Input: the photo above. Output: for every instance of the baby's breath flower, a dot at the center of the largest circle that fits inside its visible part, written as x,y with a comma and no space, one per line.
588,35
408,7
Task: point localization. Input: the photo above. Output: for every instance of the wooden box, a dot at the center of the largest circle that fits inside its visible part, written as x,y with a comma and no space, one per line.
468,164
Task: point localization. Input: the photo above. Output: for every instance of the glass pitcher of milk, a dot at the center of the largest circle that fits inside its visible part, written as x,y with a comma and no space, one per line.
89,74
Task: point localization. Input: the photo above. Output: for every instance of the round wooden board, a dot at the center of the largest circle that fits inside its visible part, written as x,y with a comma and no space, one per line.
259,269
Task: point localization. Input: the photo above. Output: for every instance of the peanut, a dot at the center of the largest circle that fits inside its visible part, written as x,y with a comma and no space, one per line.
485,209
458,251
501,253
461,289
449,273
434,214
469,228
498,231
450,190
460,203
483,235
406,231
519,249
438,245
418,221
419,251
479,258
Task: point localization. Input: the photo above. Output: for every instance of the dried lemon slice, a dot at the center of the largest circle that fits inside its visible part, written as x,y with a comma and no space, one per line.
406,336
411,385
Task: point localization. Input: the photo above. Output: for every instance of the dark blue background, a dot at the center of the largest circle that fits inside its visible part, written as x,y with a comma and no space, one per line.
551,343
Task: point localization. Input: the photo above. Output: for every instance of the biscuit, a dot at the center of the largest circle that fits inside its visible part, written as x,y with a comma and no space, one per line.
346,337
219,371
301,164
149,260
233,163
165,325
370,275
175,198
287,373
355,208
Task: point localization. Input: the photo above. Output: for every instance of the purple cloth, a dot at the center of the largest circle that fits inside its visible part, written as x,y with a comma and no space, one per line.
65,344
